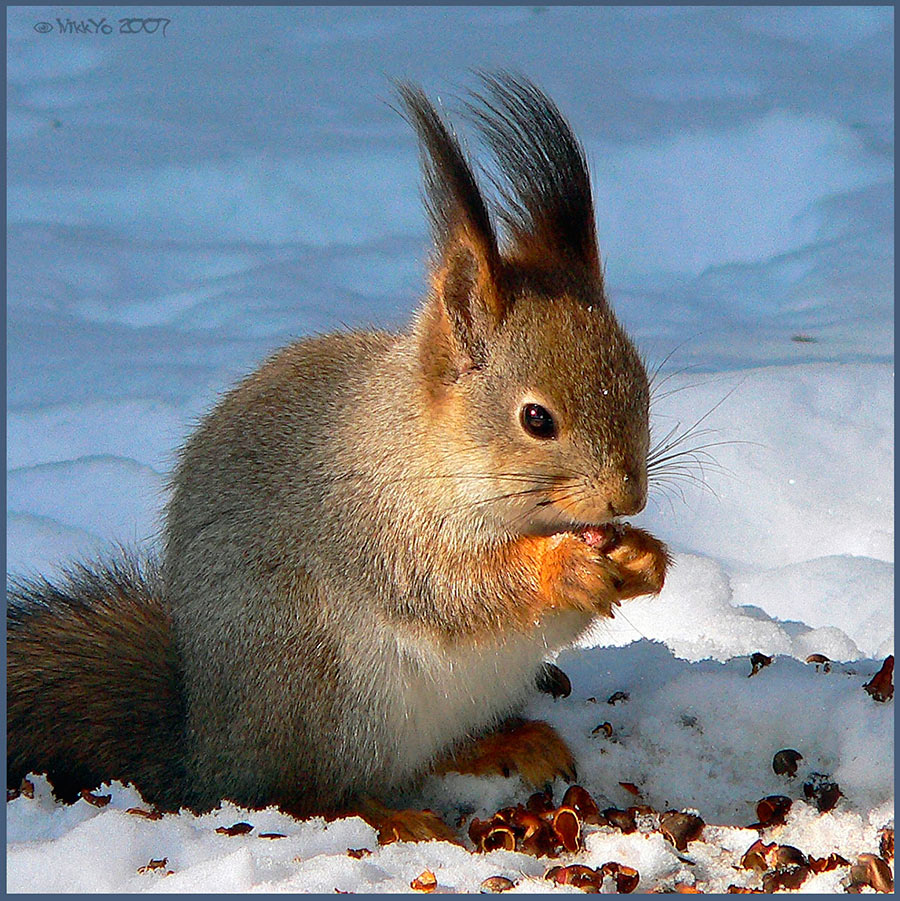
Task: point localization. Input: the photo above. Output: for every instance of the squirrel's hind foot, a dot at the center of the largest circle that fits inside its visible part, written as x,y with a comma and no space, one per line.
404,825
531,748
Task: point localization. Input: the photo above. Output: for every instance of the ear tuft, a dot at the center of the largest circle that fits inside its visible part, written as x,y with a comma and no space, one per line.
467,271
452,197
545,188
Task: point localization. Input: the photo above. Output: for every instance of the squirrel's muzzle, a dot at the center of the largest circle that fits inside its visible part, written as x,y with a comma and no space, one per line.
625,494
606,497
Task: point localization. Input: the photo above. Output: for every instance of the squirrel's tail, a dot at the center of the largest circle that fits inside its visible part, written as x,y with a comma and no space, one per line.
93,685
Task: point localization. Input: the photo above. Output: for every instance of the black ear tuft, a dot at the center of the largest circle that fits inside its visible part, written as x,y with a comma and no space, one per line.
456,209
546,188
467,301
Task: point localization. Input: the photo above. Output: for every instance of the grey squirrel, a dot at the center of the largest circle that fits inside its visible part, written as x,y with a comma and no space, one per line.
375,540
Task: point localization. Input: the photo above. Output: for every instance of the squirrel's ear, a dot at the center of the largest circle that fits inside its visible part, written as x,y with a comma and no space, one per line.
546,188
466,271
465,293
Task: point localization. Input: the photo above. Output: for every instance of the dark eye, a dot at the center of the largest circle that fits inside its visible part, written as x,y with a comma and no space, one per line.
537,421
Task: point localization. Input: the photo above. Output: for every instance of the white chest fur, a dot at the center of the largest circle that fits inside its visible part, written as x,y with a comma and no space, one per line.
442,695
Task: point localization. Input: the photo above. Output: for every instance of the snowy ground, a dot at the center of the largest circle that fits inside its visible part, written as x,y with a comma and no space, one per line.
180,205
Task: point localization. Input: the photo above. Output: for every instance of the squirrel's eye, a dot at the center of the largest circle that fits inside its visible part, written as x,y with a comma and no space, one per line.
537,421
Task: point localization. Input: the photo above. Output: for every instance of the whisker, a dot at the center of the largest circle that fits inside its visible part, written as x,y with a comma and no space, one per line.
498,497
672,442
656,396
665,437
716,405
684,471
658,368
688,465
691,479
663,494
671,483
693,428
620,614
695,453
683,457
509,477
546,502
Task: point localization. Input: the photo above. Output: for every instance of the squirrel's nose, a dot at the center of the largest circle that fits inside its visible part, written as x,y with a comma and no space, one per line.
627,496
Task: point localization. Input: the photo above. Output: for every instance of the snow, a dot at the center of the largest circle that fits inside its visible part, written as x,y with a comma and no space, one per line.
179,206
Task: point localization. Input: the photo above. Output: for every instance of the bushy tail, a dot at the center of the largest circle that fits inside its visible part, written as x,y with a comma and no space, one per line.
93,685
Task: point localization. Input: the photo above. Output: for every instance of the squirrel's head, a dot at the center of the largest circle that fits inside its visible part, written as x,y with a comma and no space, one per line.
539,400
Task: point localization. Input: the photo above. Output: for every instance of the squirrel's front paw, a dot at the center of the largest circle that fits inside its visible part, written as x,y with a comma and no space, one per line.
578,576
641,561
595,570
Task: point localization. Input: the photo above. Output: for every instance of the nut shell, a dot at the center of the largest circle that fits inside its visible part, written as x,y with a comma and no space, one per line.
785,761
494,884
680,828
872,870
426,881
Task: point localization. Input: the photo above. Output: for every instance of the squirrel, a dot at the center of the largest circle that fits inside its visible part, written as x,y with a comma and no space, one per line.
374,542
